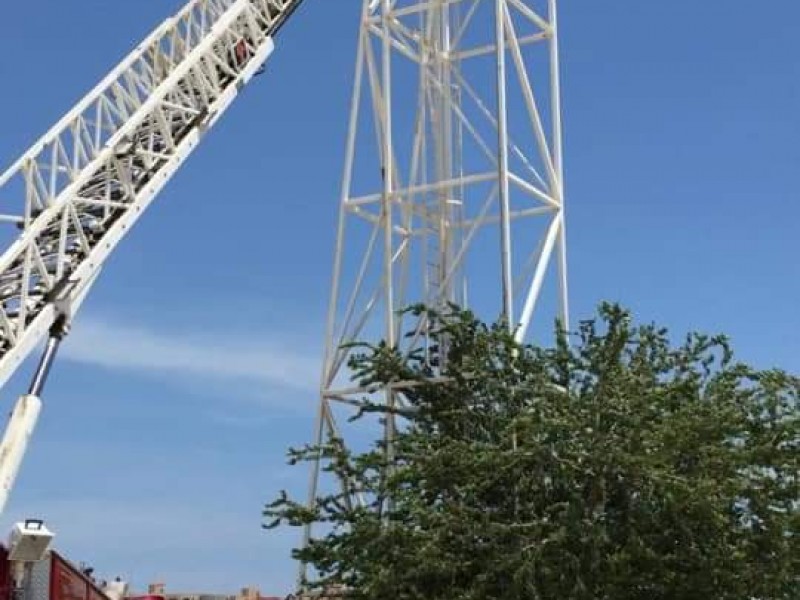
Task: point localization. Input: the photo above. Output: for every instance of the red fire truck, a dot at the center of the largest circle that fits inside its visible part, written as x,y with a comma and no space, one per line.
31,570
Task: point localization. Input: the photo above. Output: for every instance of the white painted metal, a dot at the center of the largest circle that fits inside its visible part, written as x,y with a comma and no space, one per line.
453,181
15,442
116,590
29,541
70,199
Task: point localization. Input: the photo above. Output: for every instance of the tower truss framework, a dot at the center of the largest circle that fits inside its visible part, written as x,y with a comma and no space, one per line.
453,184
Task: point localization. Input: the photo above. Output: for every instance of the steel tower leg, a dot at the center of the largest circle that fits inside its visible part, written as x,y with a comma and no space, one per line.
453,183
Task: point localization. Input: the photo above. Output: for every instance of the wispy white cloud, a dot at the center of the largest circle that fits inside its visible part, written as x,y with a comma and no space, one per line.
185,514
260,357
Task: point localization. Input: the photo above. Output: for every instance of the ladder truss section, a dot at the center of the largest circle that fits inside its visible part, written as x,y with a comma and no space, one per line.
68,201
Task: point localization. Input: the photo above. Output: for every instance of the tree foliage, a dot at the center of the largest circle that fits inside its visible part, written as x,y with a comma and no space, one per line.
618,466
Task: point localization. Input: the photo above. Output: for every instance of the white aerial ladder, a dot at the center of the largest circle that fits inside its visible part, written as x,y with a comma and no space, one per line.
70,199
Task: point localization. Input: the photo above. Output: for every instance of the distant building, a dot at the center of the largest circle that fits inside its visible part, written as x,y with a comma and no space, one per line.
333,592
245,593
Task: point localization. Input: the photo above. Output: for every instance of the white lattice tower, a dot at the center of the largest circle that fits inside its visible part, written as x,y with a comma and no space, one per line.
453,186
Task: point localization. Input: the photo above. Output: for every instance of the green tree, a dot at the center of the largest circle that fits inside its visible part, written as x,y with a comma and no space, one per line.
615,467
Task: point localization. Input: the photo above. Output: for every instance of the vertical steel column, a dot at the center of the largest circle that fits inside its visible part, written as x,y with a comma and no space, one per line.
507,289
558,158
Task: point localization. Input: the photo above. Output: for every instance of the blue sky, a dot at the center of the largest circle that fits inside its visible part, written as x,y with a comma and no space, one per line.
194,362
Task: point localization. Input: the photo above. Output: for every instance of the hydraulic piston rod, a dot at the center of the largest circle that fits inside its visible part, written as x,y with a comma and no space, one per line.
25,415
